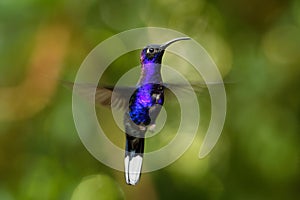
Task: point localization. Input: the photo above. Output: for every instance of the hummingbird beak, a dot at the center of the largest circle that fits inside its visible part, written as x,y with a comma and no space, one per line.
165,45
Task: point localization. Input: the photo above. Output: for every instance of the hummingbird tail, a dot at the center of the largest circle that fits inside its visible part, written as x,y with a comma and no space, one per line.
133,159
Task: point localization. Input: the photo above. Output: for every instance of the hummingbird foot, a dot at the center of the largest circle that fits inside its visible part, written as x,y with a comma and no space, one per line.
142,128
152,128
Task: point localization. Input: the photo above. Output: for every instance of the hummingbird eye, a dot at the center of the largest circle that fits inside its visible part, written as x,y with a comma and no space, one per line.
150,50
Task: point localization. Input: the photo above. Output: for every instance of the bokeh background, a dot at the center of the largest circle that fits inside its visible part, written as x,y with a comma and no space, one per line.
256,45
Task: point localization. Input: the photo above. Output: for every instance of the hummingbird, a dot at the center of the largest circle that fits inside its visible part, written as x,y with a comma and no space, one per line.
141,109
144,106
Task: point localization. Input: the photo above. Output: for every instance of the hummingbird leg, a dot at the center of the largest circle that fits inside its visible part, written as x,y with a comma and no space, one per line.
142,127
152,128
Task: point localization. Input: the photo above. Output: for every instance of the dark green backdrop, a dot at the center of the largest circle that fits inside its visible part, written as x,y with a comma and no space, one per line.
256,45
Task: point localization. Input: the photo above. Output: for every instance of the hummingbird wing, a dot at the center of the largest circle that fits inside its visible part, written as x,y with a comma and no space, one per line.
184,87
197,87
108,96
118,97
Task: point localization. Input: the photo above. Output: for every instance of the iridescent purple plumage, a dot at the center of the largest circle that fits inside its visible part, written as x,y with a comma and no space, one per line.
145,97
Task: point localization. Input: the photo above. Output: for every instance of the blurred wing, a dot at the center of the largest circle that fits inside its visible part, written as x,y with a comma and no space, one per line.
184,87
197,87
118,97
112,97
107,96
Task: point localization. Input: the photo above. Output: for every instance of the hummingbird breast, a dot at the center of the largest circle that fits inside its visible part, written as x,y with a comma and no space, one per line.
145,97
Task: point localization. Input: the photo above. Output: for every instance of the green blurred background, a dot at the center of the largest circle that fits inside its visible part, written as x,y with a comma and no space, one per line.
256,45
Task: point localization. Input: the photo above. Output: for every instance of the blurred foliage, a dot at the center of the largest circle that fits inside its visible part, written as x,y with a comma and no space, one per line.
97,187
255,44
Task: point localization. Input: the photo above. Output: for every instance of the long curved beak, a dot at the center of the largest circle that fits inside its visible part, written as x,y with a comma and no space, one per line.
165,45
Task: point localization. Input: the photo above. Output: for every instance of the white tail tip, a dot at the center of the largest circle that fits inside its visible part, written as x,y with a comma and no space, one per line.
133,167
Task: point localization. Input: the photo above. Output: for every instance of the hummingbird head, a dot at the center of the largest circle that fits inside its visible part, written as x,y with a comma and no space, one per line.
153,53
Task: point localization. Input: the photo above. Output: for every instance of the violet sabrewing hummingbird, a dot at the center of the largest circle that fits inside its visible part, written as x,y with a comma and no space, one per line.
144,106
